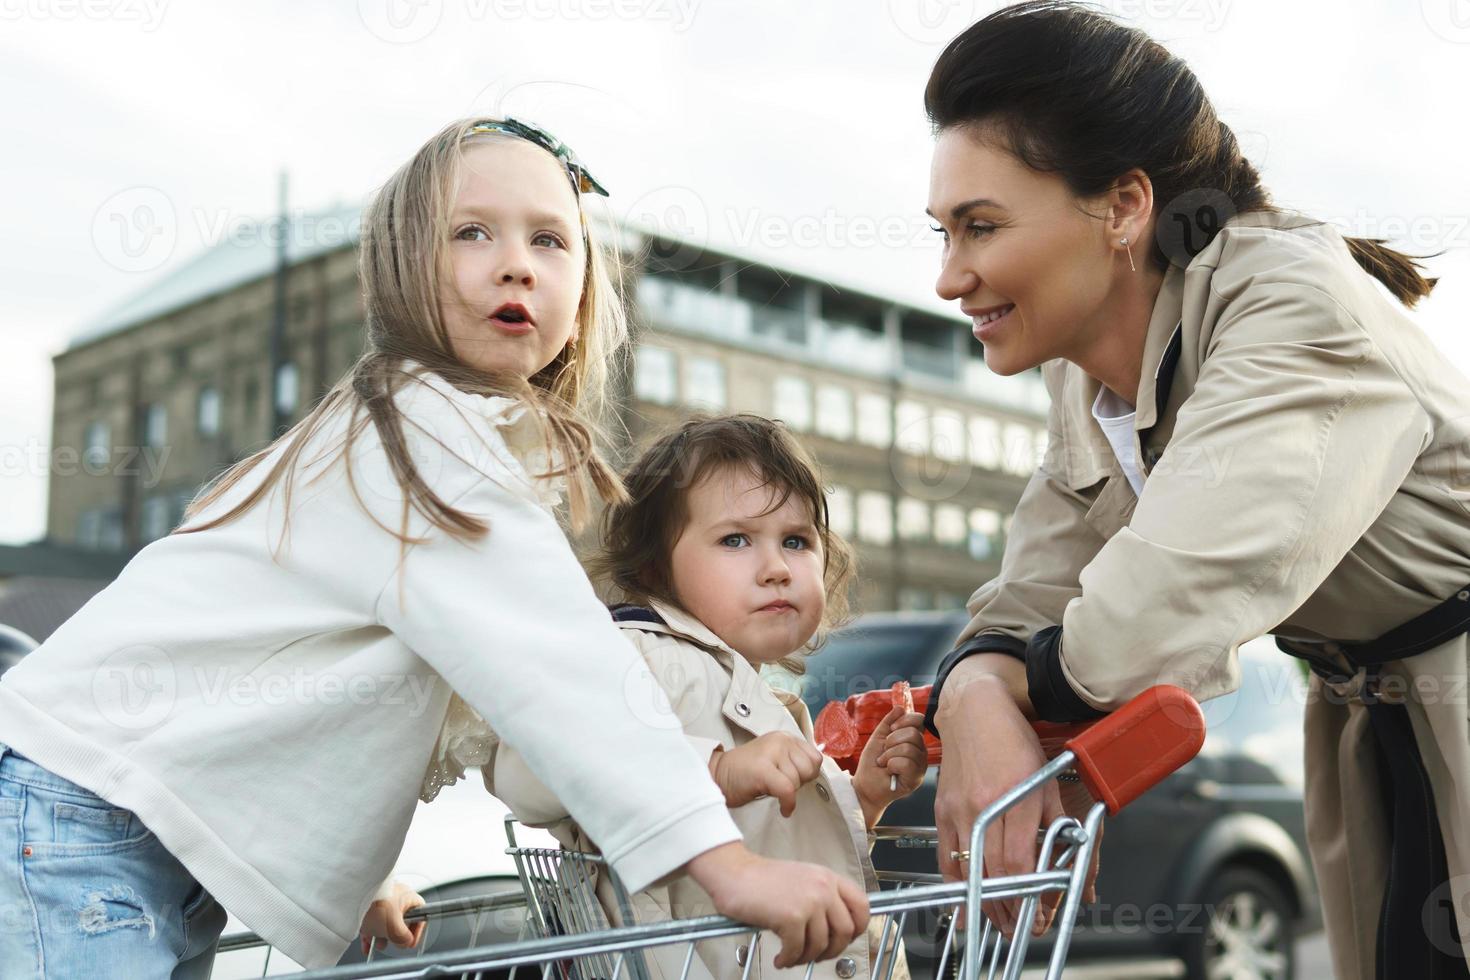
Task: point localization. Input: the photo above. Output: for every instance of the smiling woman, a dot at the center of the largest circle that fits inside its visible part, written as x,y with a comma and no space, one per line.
1100,221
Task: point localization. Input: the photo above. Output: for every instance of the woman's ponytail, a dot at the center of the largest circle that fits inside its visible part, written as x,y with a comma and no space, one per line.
1402,274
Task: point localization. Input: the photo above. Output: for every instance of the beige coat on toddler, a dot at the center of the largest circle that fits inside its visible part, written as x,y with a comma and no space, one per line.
720,700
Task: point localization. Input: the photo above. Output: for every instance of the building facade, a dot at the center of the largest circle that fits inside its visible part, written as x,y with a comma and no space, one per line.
925,452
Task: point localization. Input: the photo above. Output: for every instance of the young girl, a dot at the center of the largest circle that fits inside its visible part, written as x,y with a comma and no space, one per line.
244,717
725,549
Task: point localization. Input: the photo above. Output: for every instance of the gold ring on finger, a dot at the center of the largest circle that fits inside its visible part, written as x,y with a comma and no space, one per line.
959,855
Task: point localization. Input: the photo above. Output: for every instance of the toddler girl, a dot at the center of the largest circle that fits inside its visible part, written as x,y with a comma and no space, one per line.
725,555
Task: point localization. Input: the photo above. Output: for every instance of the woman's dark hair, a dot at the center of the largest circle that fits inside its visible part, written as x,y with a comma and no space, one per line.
1073,92
638,536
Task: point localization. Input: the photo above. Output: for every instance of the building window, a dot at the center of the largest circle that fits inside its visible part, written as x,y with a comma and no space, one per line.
913,519
834,412
287,388
874,420
654,378
704,383
874,517
155,426
89,529
984,442
949,436
207,414
157,517
791,402
984,534
913,428
915,600
96,445
950,527
839,511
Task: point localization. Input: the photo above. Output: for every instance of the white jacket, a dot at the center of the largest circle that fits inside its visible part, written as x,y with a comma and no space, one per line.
272,721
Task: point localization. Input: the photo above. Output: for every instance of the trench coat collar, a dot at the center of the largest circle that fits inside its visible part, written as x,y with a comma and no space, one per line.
678,623
1160,350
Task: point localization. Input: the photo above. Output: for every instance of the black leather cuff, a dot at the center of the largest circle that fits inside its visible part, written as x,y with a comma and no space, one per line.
1052,698
983,643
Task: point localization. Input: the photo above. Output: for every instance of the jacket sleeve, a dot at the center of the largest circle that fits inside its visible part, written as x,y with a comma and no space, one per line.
1047,547
1296,436
511,622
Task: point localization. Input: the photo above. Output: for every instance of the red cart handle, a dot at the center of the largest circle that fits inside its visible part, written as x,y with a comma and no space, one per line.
1119,756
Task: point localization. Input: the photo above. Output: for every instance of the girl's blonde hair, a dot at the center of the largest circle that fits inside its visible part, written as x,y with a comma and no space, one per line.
639,534
403,262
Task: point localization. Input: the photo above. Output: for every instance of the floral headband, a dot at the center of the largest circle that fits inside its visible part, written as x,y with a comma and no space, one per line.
582,181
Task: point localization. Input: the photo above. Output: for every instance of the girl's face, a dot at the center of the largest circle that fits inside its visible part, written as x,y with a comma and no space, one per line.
1018,243
754,578
516,256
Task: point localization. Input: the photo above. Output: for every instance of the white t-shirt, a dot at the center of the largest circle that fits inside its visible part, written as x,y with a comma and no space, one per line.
1116,418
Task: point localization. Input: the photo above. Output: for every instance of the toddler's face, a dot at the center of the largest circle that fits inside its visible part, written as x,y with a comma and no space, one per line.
754,578
516,256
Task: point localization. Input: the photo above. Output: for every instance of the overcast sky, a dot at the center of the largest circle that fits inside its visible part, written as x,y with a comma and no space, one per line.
787,129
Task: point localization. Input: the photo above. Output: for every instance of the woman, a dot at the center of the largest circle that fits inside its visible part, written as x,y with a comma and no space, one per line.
1247,436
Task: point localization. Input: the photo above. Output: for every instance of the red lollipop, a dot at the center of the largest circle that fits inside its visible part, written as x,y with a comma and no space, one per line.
836,732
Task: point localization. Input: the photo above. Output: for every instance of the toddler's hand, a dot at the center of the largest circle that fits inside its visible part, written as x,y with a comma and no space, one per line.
774,764
896,750
384,919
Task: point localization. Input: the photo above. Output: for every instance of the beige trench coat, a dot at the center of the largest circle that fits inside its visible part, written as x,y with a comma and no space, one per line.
1307,474
721,701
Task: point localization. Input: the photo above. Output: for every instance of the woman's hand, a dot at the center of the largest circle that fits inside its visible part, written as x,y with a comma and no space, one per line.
815,912
989,747
894,752
384,919
774,764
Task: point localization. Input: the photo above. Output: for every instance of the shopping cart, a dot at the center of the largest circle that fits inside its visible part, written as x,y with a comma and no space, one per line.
567,933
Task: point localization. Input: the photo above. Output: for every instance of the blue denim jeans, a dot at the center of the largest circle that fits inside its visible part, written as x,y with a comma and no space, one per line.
87,891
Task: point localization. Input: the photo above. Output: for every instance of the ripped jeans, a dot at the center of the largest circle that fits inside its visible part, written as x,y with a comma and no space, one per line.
87,891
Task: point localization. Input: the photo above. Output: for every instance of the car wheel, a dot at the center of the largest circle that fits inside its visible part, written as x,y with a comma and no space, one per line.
1248,934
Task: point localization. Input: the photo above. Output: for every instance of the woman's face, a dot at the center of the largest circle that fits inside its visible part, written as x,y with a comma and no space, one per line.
516,257
1018,243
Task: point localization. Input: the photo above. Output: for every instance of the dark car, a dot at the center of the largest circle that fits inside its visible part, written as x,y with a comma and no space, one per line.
1210,866
13,646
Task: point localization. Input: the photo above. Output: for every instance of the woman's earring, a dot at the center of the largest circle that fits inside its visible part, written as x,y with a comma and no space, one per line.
1124,242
